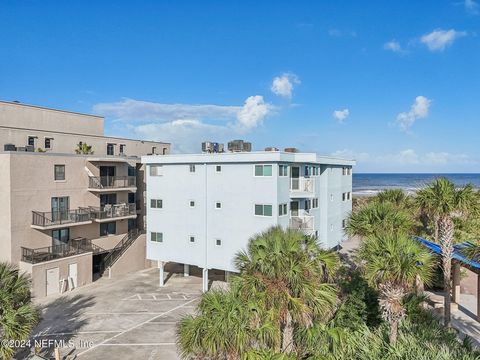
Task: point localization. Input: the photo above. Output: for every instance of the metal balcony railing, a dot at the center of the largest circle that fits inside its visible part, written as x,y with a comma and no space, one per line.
46,219
302,184
111,182
111,211
74,247
304,223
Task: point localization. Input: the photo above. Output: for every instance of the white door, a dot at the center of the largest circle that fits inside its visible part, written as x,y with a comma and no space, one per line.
72,276
53,281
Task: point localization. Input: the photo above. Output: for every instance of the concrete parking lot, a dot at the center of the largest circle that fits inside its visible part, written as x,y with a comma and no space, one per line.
126,318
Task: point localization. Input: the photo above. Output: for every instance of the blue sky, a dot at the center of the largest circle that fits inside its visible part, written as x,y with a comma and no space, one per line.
395,85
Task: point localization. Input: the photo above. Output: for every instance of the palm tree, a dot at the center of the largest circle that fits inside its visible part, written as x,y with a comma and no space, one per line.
18,316
290,275
84,149
393,196
224,327
442,202
378,218
391,264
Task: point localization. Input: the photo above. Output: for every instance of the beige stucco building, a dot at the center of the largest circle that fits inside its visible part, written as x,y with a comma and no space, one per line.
67,217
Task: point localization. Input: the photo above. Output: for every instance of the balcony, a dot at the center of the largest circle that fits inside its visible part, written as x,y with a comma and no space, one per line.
109,183
302,187
74,247
55,220
111,212
304,223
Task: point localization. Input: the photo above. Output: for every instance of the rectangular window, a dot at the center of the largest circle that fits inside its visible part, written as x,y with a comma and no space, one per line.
110,150
349,195
192,168
156,204
263,170
155,170
308,204
218,205
218,242
314,203
48,143
218,168
131,198
191,238
263,210
132,171
59,172
122,149
109,228
349,171
282,170
31,140
154,150
344,196
307,170
192,203
282,209
344,223
60,236
316,171
156,237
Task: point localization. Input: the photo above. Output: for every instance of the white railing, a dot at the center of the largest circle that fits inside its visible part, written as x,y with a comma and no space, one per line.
302,222
302,184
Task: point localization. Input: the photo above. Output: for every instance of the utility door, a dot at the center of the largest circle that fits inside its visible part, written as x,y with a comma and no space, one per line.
72,276
53,281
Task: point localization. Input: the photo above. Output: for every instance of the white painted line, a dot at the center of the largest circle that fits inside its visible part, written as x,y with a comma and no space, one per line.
134,327
79,333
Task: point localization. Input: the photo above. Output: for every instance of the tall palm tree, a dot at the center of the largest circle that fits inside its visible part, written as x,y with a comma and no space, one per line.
84,149
378,218
18,316
392,263
442,202
290,275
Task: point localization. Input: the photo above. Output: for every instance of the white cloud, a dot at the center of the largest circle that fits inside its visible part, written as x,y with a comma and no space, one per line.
341,115
418,110
393,46
472,7
186,125
439,39
283,85
136,110
253,112
185,135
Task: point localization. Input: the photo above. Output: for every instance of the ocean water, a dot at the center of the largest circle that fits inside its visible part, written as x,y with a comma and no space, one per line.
370,184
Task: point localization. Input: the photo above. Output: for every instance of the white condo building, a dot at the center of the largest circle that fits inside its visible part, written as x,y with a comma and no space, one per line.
203,208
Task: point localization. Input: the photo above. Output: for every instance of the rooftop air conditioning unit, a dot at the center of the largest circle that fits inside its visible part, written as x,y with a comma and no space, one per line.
291,150
271,148
212,147
239,146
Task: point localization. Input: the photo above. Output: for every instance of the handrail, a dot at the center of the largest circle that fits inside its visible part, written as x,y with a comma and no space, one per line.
113,211
302,222
75,247
120,248
111,182
59,217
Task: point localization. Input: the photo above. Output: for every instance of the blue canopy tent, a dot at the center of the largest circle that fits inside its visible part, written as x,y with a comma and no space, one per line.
458,261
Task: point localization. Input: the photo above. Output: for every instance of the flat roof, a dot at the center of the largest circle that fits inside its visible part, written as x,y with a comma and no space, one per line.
246,157
48,108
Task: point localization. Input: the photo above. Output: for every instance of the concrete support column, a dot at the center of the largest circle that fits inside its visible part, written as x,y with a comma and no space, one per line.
205,280
186,270
227,276
456,283
161,265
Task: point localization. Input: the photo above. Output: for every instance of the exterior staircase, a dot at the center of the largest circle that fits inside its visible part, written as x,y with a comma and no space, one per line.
119,249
